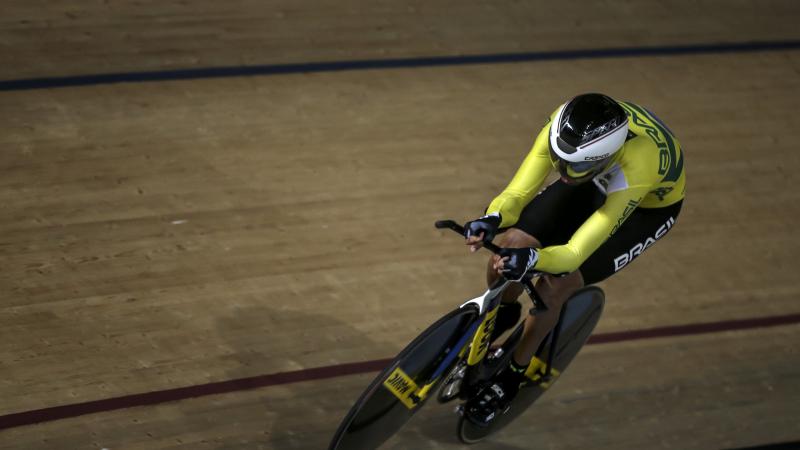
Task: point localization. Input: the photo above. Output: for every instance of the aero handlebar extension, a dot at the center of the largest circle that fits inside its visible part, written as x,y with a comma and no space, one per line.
538,303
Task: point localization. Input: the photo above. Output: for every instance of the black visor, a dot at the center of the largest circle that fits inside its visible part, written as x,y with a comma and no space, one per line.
577,172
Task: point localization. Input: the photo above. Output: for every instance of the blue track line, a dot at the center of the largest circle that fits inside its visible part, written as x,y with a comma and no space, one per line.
396,63
791,445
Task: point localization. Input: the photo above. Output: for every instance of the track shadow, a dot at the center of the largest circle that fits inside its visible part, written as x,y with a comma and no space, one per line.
298,414
305,414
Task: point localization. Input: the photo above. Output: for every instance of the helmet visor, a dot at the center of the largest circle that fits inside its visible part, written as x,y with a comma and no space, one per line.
583,167
577,172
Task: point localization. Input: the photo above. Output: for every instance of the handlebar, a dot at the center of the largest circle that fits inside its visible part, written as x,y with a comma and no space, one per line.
451,224
538,303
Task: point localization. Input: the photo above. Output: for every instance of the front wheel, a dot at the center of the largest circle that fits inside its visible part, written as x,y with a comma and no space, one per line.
394,395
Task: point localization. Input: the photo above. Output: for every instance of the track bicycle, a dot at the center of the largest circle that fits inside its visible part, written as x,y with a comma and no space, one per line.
454,359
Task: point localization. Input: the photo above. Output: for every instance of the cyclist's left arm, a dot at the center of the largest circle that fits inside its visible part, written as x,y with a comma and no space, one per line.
590,236
526,182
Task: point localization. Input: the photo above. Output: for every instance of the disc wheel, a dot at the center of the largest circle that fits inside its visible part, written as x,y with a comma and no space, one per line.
379,412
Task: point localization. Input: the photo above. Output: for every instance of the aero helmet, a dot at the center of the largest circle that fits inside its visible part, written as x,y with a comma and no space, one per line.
585,134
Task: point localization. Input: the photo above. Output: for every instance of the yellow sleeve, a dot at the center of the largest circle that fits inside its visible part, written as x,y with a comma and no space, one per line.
526,182
590,236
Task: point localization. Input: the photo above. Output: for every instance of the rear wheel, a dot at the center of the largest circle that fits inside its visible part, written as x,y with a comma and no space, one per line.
578,318
388,402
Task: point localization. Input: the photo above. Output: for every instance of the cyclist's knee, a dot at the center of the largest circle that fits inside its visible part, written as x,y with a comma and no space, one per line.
512,238
516,238
556,290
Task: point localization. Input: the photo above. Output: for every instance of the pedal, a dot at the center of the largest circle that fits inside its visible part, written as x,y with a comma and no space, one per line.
459,410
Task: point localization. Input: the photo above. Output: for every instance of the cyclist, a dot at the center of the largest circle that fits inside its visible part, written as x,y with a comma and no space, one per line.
621,186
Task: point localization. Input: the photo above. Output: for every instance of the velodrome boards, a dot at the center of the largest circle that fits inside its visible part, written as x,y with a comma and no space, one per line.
212,233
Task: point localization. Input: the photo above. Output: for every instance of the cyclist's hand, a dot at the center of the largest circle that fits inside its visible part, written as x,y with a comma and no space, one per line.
515,262
481,230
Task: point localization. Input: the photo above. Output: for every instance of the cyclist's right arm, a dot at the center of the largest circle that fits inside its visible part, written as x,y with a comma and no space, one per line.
526,182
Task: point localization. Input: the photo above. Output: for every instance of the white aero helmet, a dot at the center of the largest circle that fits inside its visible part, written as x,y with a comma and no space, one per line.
585,134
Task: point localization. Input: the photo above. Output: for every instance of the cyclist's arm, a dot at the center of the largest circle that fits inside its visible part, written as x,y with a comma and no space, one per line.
591,235
526,182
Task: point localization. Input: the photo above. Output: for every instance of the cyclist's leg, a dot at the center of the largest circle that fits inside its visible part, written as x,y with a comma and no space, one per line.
510,310
641,230
554,292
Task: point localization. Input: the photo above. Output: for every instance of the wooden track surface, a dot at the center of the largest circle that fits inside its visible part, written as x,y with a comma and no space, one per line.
86,37
162,235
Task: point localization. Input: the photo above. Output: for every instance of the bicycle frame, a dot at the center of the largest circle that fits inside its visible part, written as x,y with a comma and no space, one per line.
487,304
496,289
476,338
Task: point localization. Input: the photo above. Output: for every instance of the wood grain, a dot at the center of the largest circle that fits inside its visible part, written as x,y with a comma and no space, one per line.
169,234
